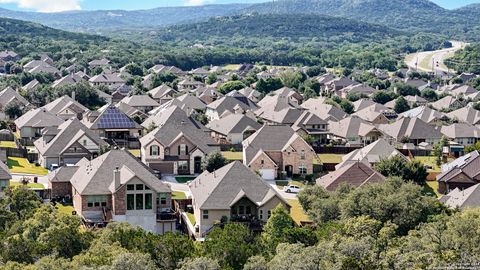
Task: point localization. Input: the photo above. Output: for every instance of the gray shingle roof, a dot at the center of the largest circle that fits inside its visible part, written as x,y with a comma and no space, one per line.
222,188
8,95
4,172
324,111
39,118
466,114
461,130
352,126
413,128
69,132
469,197
229,102
355,174
233,123
96,177
172,123
64,102
140,101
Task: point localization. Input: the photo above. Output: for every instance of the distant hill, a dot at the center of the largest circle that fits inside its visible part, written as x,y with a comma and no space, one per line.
288,26
11,29
418,15
108,20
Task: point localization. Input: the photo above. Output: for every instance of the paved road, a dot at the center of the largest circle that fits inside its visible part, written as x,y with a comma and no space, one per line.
423,61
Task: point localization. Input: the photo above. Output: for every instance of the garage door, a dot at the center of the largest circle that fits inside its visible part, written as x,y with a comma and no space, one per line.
71,161
268,174
164,168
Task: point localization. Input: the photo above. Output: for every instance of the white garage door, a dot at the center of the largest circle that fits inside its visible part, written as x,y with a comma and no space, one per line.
268,174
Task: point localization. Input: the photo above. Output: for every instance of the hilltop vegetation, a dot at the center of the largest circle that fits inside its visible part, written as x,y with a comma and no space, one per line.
413,15
466,60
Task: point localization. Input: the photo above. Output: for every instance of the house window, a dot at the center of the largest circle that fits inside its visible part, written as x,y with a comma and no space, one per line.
148,201
130,202
241,210
302,169
74,149
163,198
261,214
154,150
262,162
269,213
182,149
248,210
183,165
139,201
3,185
130,187
205,214
138,187
302,155
84,142
96,201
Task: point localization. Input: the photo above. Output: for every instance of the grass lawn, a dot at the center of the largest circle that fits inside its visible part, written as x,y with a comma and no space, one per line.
296,212
191,217
29,185
430,161
64,209
22,165
8,144
135,152
330,158
231,67
233,155
178,195
431,188
184,179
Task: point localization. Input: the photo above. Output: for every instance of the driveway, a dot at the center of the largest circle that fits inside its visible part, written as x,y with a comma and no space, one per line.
174,185
285,195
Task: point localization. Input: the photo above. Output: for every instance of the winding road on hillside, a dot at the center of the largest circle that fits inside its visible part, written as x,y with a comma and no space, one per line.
424,61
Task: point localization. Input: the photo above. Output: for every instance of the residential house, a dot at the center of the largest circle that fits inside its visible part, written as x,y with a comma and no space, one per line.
110,80
102,63
67,144
279,108
191,104
32,85
359,89
201,72
69,79
466,114
277,150
332,86
413,101
143,103
178,144
208,94
38,66
465,77
370,154
312,125
5,177
233,192
233,128
30,124
461,199
189,84
59,181
251,93
113,124
376,114
354,131
411,130
131,112
462,133
116,186
157,69
10,96
234,103
426,114
324,111
355,174
448,103
66,107
9,56
461,173
163,94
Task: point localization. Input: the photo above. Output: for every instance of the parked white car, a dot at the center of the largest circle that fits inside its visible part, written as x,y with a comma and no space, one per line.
292,189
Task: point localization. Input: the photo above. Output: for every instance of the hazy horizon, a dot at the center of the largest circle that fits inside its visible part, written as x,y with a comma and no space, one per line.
65,5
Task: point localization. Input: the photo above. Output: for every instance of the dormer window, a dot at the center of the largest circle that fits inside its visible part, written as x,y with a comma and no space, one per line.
302,155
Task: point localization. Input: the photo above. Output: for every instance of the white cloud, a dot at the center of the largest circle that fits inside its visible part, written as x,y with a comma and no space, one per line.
45,5
193,2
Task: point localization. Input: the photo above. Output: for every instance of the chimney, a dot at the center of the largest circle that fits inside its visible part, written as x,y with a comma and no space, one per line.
73,95
116,178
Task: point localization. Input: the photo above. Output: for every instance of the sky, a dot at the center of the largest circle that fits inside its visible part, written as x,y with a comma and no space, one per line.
63,5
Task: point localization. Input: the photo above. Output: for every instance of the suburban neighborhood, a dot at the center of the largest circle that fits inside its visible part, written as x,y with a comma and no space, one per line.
360,156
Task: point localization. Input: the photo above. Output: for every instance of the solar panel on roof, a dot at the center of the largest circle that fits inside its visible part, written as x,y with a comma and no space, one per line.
115,119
